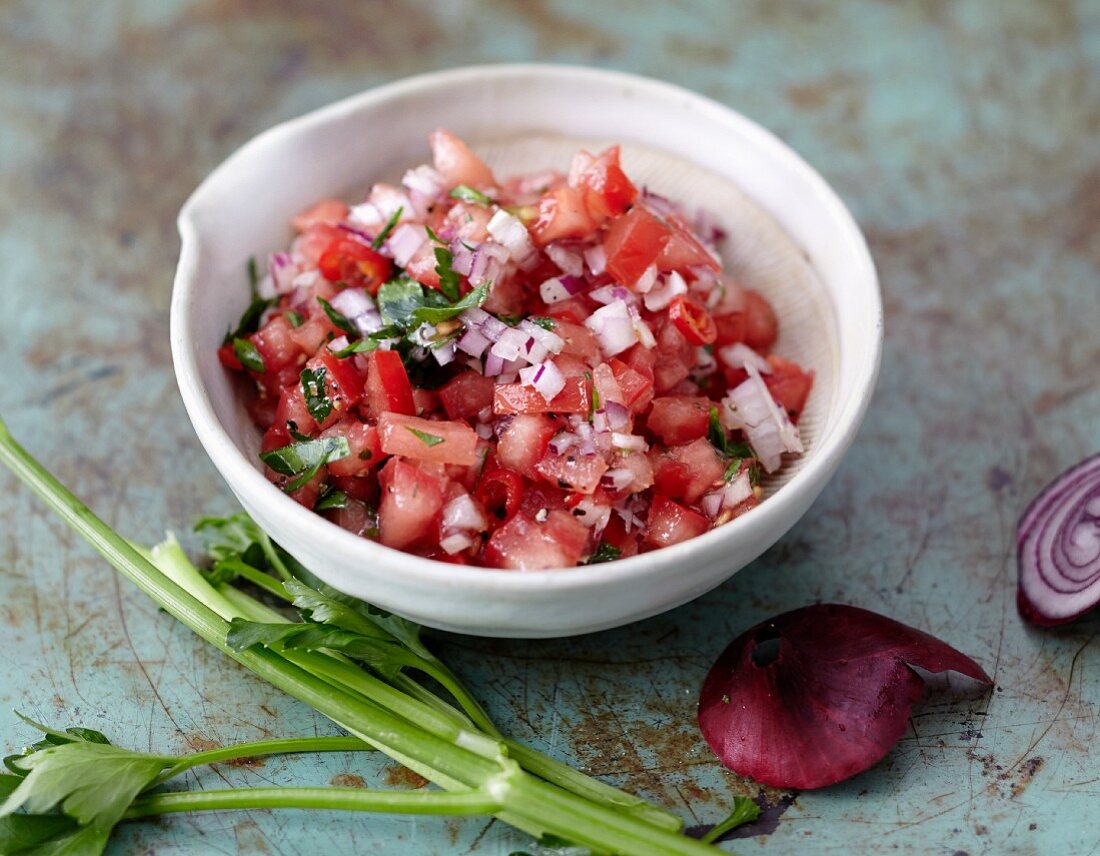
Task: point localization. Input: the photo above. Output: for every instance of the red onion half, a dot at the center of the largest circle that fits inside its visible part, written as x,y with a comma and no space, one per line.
1058,548
819,694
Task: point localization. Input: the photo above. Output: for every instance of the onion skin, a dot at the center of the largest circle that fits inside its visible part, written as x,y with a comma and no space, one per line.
817,695
1046,596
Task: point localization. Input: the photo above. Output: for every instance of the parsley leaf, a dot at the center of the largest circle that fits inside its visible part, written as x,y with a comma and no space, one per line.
248,355
369,343
339,319
465,193
398,299
50,835
437,314
318,403
735,452
604,553
744,811
92,781
303,459
424,437
389,227
544,322
250,319
449,279
331,498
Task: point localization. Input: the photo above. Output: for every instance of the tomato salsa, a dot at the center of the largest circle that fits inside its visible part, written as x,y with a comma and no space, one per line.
541,371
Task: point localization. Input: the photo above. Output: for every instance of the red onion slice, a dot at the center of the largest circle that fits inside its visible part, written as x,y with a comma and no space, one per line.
1058,548
819,694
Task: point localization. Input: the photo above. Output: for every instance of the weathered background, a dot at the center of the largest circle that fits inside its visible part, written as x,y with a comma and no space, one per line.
964,138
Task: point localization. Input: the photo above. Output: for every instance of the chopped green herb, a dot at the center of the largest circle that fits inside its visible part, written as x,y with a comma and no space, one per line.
339,319
248,355
250,319
406,304
544,322
389,227
510,320
331,498
304,458
398,299
318,403
465,193
292,427
295,318
604,553
448,279
253,277
424,437
437,314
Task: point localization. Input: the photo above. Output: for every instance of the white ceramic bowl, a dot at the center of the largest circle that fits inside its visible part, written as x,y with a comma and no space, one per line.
242,209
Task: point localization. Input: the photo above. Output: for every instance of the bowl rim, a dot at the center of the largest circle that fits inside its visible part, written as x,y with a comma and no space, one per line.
244,479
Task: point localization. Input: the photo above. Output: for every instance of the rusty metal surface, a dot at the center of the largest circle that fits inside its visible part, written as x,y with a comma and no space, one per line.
963,136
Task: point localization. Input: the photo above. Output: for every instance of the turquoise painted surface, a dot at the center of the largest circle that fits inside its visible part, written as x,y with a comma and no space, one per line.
962,135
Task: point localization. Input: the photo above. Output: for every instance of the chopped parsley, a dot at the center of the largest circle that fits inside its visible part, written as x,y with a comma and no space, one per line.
339,319
389,227
449,279
331,498
424,437
250,318
318,403
248,355
465,193
604,553
301,460
542,321
735,452
405,303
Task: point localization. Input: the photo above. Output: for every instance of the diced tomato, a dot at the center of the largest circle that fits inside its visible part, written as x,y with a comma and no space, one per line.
670,523
277,346
307,494
388,387
366,448
262,410
525,545
292,411
354,516
350,261
683,250
572,470
692,320
228,358
761,325
686,472
470,222
518,398
640,468
363,488
523,443
342,385
312,333
789,385
574,310
615,535
466,395
456,163
315,240
499,490
422,265
730,328
637,389
323,211
633,243
579,341
427,439
607,190
607,385
674,359
679,419
563,213
411,503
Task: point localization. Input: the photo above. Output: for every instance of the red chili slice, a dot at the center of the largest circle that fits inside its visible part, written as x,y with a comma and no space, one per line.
354,263
693,321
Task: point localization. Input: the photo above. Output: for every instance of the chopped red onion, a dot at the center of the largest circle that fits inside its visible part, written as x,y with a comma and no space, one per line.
613,326
561,442
707,228
512,344
456,543
508,230
607,293
580,164
618,478
711,503
444,354
591,514
660,297
352,302
282,270
484,430
737,491
660,205
739,355
545,377
600,423
573,284
751,408
705,363
463,513
618,415
338,344
473,342
404,241
369,322
494,365
462,257
596,259
570,262
490,327
630,442
357,233
646,280
424,179
552,291
488,264
550,340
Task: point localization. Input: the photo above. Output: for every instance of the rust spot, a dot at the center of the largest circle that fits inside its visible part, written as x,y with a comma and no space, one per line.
198,743
397,776
347,780
247,761
1026,773
997,479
